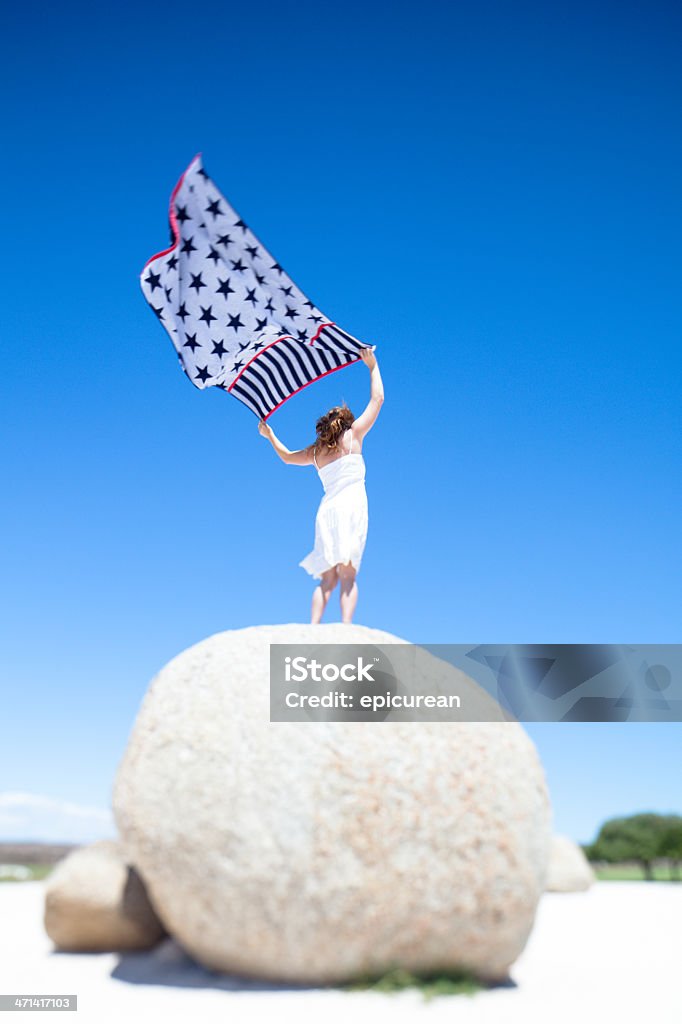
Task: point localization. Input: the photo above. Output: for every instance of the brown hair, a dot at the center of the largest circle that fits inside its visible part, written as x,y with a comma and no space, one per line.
331,427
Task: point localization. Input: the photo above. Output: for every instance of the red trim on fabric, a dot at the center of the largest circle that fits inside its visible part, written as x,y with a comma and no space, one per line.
172,217
256,357
320,329
282,337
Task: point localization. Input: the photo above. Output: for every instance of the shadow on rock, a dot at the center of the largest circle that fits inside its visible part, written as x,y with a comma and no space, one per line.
168,964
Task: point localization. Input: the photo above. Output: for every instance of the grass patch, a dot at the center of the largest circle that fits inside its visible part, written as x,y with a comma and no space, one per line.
28,873
631,873
431,986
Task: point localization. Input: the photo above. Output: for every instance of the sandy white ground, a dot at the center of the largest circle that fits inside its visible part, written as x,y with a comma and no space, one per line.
609,953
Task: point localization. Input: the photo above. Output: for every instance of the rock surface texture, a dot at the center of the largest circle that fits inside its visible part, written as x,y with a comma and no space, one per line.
95,902
569,868
321,851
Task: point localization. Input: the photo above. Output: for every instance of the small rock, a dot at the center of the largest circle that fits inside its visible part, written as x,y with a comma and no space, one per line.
569,868
95,902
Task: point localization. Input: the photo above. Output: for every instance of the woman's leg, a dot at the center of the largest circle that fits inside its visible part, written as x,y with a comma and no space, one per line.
349,591
321,594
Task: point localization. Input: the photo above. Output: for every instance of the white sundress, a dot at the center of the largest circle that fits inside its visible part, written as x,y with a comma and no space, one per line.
341,521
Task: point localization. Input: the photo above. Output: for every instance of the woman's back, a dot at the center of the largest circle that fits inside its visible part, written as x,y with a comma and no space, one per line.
347,445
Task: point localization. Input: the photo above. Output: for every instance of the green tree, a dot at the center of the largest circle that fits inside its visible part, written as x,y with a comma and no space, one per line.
637,837
670,844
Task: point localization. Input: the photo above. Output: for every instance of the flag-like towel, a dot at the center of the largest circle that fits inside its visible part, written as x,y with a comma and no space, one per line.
236,319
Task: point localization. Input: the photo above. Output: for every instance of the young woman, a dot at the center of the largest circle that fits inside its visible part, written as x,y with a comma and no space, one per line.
341,522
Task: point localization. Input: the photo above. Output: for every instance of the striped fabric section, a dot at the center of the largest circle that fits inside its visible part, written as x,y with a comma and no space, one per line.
237,320
286,366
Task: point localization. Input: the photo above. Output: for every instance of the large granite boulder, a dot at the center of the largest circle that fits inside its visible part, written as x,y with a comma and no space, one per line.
95,902
569,868
320,851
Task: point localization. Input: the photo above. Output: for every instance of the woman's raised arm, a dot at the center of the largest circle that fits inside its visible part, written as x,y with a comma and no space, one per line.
366,420
302,457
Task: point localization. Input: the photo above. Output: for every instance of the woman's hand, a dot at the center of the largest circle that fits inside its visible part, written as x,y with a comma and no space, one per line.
264,429
368,358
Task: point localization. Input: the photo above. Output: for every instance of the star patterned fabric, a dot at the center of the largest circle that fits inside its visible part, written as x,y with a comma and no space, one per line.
235,317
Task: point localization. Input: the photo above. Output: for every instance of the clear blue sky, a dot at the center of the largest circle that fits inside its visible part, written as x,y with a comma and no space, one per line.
489,193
